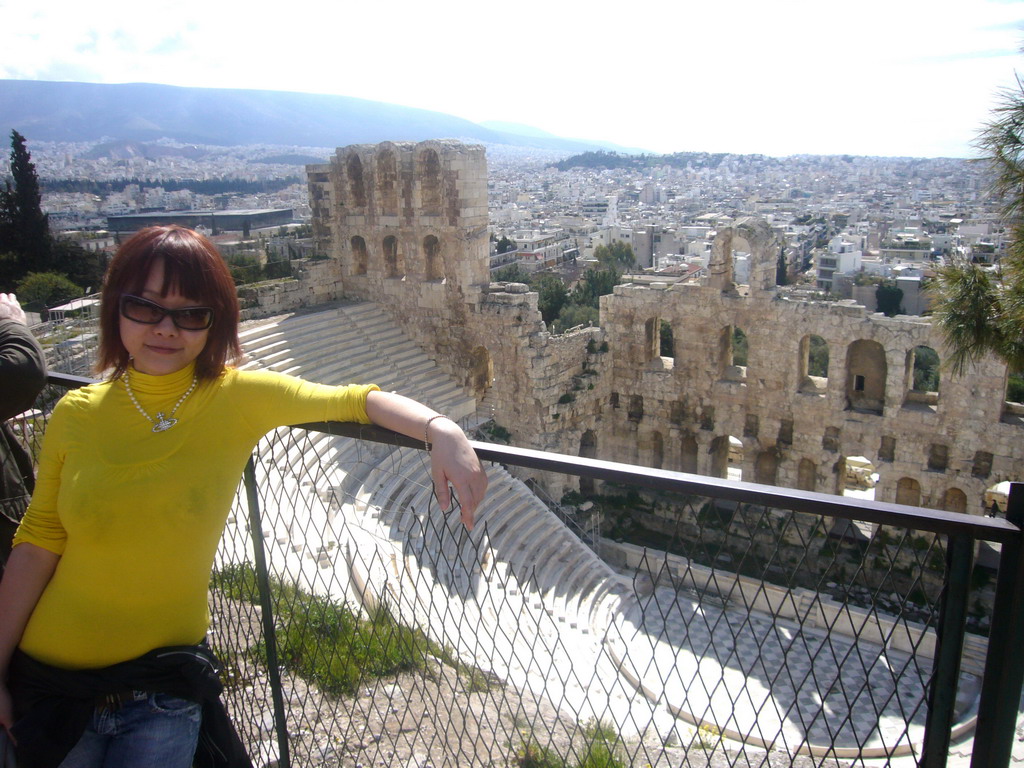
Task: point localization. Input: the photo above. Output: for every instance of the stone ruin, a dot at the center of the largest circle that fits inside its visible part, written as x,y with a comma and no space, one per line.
405,225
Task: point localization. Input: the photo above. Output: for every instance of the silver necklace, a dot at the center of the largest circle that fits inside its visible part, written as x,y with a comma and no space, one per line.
161,423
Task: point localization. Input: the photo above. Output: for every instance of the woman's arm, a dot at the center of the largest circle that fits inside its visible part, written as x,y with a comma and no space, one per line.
452,460
26,575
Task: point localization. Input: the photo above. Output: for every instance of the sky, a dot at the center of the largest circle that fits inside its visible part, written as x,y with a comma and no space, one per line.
876,77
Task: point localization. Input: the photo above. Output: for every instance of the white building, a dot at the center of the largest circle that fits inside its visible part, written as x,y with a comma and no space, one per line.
844,256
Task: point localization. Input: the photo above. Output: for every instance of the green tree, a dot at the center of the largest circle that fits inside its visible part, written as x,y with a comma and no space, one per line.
593,284
817,357
617,256
573,315
666,346
24,229
38,291
553,295
926,369
513,273
26,244
505,245
889,299
979,311
740,346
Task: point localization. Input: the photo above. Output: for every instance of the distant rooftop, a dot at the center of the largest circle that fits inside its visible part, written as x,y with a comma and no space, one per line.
216,221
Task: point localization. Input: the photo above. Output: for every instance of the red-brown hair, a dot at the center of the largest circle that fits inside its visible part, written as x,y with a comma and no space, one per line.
193,268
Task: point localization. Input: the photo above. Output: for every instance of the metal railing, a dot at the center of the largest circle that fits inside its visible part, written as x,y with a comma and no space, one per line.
733,624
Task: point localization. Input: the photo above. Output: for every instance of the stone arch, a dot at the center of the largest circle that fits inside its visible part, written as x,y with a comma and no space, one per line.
766,467
813,365
429,173
908,491
360,256
807,475
733,352
954,500
433,261
921,377
753,236
866,371
1013,398
726,457
481,371
387,181
657,450
394,263
666,340
688,453
859,477
356,184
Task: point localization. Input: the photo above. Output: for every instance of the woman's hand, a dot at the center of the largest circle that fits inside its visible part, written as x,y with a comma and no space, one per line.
453,462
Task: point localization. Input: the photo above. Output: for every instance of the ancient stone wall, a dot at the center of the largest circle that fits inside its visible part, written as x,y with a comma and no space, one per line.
315,282
406,226
939,449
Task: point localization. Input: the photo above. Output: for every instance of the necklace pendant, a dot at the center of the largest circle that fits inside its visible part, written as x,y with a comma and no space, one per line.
163,423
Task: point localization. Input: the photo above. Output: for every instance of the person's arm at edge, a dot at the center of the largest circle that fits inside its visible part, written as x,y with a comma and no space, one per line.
452,459
22,363
28,571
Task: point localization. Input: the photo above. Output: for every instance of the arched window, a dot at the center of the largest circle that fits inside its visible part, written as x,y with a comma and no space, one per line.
666,341
354,167
813,362
865,376
434,266
387,182
430,183
733,350
635,412
954,500
766,467
394,264
360,257
1013,404
657,450
908,491
807,476
727,457
688,454
922,378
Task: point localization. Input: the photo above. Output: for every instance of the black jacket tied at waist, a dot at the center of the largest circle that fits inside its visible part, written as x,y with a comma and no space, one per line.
53,706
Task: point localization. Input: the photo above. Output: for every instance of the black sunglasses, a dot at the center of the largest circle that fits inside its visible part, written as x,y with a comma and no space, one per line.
141,310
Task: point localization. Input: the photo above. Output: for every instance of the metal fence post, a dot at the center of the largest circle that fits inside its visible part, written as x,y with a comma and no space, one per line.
266,611
1004,665
948,652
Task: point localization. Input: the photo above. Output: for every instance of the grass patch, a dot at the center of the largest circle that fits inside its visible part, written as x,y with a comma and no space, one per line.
330,644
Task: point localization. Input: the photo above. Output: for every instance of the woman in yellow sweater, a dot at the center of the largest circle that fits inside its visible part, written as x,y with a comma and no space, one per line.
103,604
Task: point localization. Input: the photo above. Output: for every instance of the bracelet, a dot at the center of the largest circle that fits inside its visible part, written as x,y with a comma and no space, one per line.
426,429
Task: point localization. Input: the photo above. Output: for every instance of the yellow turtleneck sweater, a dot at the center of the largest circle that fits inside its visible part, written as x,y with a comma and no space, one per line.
136,515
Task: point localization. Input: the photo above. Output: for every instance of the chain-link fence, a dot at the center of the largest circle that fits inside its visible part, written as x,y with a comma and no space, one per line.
725,624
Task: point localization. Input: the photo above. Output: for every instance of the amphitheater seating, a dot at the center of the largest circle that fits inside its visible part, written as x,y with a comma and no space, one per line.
359,521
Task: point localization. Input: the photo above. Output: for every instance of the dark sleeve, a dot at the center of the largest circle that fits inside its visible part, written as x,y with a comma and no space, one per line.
22,368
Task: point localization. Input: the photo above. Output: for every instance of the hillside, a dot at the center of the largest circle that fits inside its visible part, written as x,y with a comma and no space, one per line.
57,111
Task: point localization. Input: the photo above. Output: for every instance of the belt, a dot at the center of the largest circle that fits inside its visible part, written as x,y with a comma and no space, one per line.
118,699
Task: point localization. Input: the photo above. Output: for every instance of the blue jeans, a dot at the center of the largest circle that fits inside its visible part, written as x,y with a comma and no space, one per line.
153,730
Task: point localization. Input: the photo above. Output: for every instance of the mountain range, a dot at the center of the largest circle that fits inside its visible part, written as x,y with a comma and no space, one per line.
80,112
